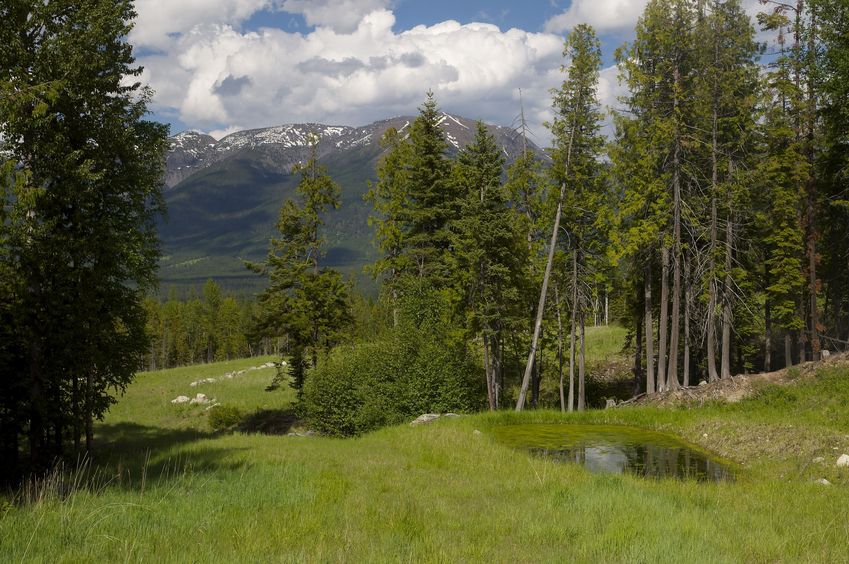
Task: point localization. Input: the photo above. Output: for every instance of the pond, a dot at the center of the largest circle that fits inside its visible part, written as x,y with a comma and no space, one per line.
617,449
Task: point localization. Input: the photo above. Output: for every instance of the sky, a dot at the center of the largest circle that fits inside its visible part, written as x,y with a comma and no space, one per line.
220,66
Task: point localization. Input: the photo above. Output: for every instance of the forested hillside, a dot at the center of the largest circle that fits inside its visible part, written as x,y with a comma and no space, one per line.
223,196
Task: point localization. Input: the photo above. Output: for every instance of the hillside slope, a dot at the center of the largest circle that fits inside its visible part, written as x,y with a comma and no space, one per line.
223,196
166,489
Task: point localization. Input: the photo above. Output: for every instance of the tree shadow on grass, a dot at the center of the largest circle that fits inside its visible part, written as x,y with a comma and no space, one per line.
132,455
269,422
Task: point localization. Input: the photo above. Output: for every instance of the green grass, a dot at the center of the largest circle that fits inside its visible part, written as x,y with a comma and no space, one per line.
166,489
604,342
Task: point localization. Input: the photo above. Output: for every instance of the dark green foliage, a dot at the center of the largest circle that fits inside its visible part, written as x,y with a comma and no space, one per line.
417,368
308,304
224,417
80,247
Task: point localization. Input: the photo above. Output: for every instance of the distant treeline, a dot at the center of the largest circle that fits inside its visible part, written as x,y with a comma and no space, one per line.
206,326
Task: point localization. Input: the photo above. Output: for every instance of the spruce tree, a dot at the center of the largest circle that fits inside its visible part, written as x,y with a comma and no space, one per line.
308,304
82,241
489,253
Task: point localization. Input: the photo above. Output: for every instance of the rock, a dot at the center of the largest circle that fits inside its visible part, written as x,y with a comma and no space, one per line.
193,384
702,383
476,432
823,482
200,398
824,354
610,403
180,399
451,415
424,418
843,461
819,460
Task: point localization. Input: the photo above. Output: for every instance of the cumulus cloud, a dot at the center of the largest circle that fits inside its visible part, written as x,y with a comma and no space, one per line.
603,15
215,76
342,16
160,21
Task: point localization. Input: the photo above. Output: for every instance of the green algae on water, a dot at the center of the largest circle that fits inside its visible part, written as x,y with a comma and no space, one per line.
617,449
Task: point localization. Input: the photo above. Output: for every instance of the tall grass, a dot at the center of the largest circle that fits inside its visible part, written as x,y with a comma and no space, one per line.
164,488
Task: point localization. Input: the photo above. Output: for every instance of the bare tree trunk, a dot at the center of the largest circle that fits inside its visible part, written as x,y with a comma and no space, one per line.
812,269
498,376
686,323
647,318
523,391
89,416
487,365
638,352
560,348
812,188
572,330
788,350
711,313
801,336
672,372
581,367
535,382
664,318
767,326
727,300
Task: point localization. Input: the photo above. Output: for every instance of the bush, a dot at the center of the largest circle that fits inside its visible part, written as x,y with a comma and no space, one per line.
223,417
418,368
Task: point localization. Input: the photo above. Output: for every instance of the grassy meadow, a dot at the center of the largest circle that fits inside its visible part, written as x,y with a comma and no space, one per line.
164,488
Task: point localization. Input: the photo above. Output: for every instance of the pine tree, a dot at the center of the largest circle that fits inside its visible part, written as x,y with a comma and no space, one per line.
309,304
431,199
489,252
82,237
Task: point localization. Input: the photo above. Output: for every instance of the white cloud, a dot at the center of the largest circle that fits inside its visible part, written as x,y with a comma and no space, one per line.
603,15
214,76
159,21
340,15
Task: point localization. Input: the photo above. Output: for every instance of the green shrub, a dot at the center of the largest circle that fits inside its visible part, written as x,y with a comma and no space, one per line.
222,417
418,368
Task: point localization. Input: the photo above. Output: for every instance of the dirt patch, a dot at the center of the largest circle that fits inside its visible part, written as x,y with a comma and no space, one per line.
738,387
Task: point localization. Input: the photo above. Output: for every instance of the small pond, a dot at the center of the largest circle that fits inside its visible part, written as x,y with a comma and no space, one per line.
617,449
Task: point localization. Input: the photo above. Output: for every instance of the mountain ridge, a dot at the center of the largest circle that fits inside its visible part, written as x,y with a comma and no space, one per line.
223,195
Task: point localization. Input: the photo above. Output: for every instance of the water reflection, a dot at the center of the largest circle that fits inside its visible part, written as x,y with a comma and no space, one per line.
617,449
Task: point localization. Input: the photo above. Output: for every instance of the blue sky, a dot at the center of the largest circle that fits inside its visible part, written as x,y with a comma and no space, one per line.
223,65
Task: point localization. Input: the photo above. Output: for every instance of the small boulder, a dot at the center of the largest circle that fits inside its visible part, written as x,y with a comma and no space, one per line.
702,383
424,418
824,354
200,398
451,415
819,460
610,403
823,482
476,432
180,399
843,461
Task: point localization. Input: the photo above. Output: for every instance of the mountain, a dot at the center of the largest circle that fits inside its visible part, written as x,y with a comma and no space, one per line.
223,196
